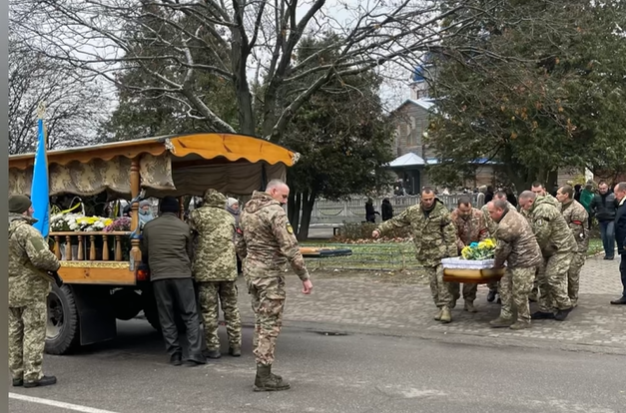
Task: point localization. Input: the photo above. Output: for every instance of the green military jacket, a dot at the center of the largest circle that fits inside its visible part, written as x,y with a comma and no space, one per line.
434,234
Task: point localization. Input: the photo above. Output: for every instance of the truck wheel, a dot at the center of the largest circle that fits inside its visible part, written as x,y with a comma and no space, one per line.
62,328
126,304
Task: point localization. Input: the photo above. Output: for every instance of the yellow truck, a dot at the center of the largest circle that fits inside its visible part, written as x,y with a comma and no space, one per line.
100,284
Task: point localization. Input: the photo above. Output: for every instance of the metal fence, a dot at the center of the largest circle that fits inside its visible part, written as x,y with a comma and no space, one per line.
353,211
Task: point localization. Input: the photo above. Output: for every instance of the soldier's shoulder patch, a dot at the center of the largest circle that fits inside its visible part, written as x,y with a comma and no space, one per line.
289,228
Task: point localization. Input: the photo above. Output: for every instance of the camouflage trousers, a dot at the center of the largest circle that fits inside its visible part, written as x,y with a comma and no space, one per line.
268,303
209,293
469,291
27,338
441,291
552,278
573,276
493,285
515,286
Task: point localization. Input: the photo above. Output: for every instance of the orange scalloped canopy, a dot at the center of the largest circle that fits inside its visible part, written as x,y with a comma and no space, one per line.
204,145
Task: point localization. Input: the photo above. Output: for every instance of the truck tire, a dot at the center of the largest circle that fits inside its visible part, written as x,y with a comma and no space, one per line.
126,304
62,327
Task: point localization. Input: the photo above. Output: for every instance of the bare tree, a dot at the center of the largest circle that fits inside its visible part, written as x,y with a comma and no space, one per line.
73,107
250,44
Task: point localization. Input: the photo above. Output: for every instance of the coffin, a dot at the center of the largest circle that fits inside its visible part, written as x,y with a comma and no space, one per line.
470,271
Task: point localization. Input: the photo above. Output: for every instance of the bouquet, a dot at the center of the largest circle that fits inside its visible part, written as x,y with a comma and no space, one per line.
64,222
121,224
477,251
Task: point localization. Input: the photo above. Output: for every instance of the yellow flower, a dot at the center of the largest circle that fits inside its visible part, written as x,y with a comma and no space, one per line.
108,222
466,252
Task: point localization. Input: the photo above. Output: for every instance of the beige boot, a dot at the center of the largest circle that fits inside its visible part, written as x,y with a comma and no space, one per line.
500,323
438,315
520,325
446,317
469,306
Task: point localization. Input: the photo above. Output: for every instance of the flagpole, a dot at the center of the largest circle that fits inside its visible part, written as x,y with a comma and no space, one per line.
40,183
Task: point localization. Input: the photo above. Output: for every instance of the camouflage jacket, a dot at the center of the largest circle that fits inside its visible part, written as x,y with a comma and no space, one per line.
434,233
213,227
472,229
576,217
515,242
553,201
552,233
30,259
492,225
265,240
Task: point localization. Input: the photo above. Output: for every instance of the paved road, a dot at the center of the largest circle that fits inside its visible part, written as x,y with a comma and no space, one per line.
343,374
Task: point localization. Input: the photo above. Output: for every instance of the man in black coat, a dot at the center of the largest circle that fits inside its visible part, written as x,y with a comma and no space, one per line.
620,235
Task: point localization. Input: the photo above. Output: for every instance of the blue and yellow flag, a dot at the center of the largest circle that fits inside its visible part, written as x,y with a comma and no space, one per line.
39,192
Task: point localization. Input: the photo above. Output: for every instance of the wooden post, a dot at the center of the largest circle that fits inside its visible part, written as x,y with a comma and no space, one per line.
135,251
105,248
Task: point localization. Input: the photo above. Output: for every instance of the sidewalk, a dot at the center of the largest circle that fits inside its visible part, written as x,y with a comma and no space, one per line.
380,304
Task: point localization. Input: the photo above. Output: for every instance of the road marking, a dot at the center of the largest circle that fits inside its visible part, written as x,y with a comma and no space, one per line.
54,403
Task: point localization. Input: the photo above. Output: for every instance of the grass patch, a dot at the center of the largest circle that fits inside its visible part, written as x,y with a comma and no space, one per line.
383,257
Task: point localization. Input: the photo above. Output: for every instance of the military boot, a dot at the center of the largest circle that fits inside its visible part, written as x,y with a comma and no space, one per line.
491,295
500,323
469,306
520,325
446,317
234,351
44,381
438,315
542,315
18,382
266,381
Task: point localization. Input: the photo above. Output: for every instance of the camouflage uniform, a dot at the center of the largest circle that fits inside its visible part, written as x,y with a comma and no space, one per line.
266,243
214,268
470,229
516,245
434,236
558,247
29,285
576,217
492,226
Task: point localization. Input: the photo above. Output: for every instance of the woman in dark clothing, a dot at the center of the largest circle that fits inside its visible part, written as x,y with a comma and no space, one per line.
387,210
370,212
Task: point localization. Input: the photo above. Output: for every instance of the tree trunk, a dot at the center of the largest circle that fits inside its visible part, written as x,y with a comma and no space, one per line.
294,206
308,201
247,124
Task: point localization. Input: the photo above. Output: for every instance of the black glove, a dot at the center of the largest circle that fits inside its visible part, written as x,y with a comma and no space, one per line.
55,275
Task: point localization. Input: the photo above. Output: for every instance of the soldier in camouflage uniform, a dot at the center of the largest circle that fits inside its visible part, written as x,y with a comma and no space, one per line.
516,245
30,260
492,226
470,227
214,268
434,236
557,247
576,217
266,244
540,190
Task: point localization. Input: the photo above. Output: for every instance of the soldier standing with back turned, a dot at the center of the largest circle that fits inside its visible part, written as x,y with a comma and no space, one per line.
266,243
214,268
30,260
